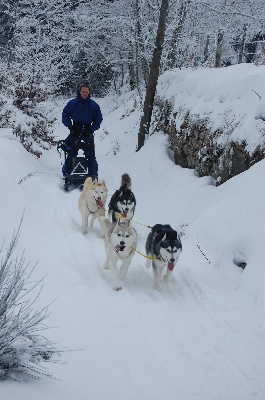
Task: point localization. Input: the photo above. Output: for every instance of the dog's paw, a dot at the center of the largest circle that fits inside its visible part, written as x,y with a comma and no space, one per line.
117,288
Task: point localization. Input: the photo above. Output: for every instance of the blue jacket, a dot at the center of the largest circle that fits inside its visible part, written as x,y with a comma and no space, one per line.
82,111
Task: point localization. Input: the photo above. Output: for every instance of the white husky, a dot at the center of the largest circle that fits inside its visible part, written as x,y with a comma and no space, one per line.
120,242
92,202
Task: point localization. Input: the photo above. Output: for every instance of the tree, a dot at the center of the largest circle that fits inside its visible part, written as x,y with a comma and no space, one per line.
242,44
153,75
176,33
218,57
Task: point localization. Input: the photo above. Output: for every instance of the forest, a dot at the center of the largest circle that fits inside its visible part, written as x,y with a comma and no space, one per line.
47,48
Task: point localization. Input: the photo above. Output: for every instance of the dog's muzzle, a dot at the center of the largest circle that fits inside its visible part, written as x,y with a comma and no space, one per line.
120,247
171,265
99,203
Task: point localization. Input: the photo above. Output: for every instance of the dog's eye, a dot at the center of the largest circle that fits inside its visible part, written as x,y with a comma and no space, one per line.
169,250
127,236
119,234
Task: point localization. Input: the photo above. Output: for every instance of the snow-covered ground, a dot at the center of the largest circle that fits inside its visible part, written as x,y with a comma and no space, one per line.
203,336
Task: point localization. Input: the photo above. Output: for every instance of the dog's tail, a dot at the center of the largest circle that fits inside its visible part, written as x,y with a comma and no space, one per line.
126,182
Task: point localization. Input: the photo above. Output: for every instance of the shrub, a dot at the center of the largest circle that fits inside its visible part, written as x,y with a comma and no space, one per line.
23,350
22,108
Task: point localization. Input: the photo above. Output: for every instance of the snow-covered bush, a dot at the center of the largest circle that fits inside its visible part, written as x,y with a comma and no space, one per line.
23,350
22,108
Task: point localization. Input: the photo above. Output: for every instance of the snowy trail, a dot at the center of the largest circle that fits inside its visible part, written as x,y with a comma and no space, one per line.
163,354
188,342
143,332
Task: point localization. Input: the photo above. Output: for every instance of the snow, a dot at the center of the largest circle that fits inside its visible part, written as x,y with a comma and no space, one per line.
202,336
230,99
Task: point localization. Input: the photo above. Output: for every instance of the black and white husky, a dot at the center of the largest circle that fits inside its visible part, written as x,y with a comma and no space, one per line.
163,248
120,244
122,203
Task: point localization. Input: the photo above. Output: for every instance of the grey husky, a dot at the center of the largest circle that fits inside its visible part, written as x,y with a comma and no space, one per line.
120,243
163,248
122,203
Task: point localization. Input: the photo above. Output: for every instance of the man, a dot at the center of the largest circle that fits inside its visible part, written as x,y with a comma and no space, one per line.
82,116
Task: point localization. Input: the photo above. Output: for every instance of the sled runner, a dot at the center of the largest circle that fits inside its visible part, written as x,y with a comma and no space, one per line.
79,172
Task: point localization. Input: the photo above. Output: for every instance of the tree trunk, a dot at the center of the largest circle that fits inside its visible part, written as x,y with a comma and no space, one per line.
153,76
219,48
132,72
139,41
206,50
175,36
242,45
122,71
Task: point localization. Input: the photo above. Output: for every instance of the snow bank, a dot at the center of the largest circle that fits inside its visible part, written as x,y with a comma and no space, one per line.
231,99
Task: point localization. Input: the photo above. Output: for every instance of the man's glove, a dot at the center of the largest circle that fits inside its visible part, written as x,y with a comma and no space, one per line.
64,146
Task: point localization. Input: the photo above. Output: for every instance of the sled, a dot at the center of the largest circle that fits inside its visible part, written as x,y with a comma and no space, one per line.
79,171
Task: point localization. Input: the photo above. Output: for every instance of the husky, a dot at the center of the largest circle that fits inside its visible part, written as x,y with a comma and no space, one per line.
120,244
163,248
122,203
92,202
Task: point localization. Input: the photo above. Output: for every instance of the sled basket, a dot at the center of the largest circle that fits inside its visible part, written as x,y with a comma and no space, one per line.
79,170
78,175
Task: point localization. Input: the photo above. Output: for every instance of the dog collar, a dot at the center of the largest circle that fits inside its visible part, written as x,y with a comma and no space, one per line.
161,259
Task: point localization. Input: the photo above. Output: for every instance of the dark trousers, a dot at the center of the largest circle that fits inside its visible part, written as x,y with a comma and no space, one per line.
89,152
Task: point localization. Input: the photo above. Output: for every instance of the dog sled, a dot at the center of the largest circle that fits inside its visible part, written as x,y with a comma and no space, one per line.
79,170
